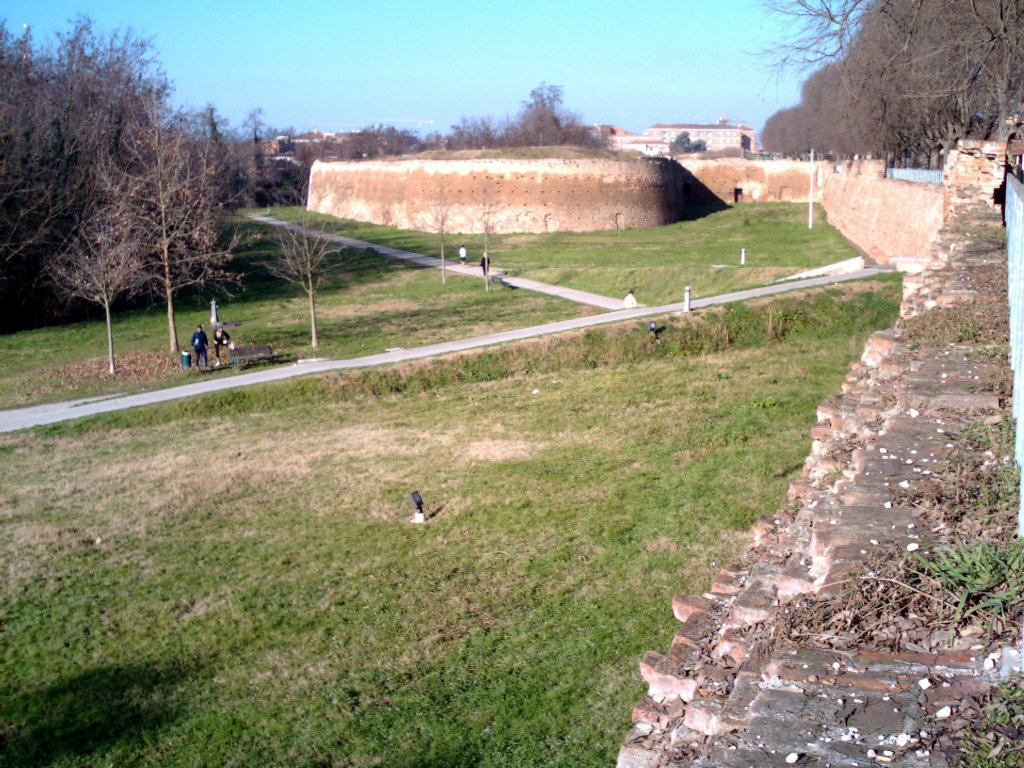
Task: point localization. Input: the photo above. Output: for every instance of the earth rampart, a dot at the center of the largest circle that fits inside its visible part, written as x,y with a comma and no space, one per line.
504,195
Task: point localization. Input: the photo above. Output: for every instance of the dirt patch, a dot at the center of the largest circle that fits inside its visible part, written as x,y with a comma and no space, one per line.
132,367
361,310
500,450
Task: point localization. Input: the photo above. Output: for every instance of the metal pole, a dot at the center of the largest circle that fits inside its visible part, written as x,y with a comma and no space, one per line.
743,257
686,300
810,196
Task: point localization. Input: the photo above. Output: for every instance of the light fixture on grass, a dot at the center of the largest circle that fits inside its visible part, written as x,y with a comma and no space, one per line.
417,503
655,331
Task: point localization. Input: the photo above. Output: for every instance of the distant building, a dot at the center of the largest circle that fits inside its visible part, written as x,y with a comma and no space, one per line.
620,140
723,137
720,137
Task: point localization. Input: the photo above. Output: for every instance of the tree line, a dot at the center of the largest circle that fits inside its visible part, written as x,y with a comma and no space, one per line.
907,77
110,196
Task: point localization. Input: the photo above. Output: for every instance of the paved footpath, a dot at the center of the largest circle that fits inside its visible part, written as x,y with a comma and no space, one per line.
569,294
23,418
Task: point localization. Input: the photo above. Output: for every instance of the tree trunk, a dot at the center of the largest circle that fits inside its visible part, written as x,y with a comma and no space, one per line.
110,338
444,276
312,316
172,329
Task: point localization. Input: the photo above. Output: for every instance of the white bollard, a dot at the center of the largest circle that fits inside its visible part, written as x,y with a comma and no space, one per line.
214,319
743,257
686,300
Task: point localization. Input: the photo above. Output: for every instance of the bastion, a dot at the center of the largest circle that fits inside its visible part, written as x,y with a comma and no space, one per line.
502,195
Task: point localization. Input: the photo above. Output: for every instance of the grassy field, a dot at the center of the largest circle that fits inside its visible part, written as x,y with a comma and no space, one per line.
234,580
703,252
373,304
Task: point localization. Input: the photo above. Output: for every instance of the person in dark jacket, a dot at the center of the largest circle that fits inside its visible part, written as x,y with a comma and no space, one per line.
199,344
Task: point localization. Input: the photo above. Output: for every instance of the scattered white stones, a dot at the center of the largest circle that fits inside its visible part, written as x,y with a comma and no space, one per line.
793,757
944,713
924,683
913,546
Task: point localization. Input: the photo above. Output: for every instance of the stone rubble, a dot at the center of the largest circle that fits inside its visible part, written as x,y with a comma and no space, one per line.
722,696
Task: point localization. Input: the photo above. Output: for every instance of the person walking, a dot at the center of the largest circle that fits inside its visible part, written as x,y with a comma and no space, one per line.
462,255
199,344
221,338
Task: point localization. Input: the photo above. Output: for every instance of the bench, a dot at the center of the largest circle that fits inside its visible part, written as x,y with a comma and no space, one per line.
240,355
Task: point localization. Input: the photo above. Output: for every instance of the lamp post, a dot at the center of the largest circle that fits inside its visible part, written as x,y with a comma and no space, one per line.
810,196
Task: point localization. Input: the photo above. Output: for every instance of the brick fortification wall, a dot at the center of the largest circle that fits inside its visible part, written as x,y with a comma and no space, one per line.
893,222
737,180
551,195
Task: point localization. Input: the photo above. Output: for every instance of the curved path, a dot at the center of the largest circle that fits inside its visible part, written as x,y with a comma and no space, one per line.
23,418
453,266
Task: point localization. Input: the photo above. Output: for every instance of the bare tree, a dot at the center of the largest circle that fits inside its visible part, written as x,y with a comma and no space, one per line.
171,175
488,210
439,213
63,109
304,260
101,264
910,75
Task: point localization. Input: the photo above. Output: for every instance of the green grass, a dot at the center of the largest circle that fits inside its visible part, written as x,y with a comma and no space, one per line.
371,305
234,581
703,252
374,304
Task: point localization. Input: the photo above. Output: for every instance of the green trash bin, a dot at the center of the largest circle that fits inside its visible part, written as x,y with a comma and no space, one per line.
186,359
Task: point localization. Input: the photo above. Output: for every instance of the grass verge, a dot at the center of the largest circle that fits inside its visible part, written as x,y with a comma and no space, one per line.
236,583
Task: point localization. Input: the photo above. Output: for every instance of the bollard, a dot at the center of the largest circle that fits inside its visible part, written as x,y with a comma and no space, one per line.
743,257
686,300
214,318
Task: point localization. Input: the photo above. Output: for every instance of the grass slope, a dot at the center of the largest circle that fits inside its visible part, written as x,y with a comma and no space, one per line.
234,581
703,252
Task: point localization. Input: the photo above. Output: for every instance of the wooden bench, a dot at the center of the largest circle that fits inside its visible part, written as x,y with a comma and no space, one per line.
241,355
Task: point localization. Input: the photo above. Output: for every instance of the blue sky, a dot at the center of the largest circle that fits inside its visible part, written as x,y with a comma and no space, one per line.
342,64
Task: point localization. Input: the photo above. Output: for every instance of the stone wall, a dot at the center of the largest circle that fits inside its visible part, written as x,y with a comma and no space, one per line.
893,222
975,175
550,195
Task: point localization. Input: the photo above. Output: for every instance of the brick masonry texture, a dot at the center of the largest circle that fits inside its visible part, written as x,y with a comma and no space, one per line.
893,222
734,690
551,195
756,181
